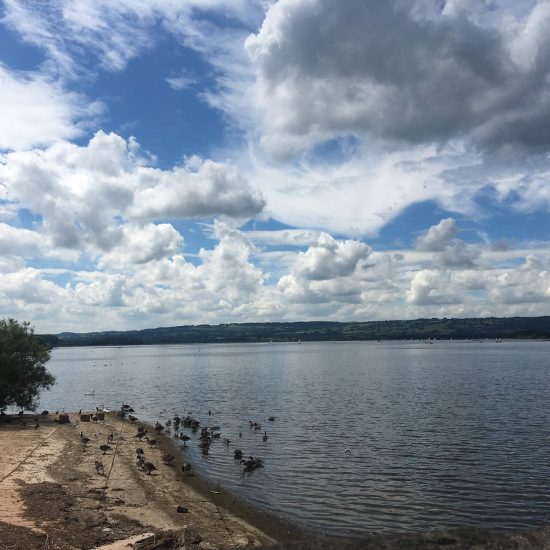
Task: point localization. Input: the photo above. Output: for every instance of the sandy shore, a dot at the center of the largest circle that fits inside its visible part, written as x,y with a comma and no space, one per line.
51,495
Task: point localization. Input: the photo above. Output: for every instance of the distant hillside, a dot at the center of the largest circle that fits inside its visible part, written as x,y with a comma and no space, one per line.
491,327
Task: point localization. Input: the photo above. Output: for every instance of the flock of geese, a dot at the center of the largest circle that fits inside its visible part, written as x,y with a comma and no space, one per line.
207,435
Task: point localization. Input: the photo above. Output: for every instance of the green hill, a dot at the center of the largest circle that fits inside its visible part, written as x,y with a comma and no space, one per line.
491,327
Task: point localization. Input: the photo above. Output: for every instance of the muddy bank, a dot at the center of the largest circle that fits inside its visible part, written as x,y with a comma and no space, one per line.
52,495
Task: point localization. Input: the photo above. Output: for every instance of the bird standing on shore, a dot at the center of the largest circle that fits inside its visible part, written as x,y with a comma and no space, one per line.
105,448
148,467
99,468
168,459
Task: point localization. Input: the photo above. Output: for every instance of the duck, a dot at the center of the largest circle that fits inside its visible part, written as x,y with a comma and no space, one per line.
237,454
99,467
265,437
184,438
139,451
105,448
186,467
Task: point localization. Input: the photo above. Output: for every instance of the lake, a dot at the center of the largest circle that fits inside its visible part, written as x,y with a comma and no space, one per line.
449,434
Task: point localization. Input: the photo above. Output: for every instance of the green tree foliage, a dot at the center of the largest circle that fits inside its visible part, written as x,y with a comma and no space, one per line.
23,372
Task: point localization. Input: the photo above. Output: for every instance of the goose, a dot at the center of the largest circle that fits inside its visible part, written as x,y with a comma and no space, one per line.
139,451
140,461
252,463
186,467
152,442
265,437
184,438
85,440
105,448
148,467
99,468
271,419
168,459
237,454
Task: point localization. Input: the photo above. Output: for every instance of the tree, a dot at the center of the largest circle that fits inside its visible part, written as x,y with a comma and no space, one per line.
23,372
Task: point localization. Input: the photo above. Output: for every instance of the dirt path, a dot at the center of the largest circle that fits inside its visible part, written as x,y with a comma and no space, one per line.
51,495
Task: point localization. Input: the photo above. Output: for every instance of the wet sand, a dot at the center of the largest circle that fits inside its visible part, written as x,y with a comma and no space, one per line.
51,495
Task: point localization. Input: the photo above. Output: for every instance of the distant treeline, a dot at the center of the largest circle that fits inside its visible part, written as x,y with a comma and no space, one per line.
491,327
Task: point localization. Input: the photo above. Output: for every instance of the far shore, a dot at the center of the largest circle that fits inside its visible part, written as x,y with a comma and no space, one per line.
52,496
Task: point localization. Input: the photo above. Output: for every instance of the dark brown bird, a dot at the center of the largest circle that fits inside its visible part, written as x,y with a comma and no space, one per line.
99,467
148,467
168,459
105,448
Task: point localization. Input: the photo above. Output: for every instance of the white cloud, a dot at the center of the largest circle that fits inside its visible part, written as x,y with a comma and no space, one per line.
329,258
180,82
35,111
85,195
290,237
448,251
198,189
430,286
140,245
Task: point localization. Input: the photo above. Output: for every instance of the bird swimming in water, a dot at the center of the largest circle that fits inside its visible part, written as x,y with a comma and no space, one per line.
265,437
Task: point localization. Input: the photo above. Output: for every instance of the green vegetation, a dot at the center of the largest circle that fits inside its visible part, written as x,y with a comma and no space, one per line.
22,365
492,327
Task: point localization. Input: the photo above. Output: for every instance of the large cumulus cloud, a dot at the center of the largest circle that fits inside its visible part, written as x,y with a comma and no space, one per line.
85,196
379,68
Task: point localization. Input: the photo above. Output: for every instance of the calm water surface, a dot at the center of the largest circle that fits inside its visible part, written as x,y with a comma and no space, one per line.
438,435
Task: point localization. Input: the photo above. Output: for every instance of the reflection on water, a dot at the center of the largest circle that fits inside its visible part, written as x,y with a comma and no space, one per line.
441,435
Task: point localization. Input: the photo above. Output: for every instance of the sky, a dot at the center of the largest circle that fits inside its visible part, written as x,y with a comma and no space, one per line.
205,161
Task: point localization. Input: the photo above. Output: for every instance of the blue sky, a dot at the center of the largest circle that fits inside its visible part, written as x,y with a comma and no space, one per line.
201,161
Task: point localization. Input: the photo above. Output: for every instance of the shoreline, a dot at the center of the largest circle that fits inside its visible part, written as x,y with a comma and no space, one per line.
52,496
281,530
